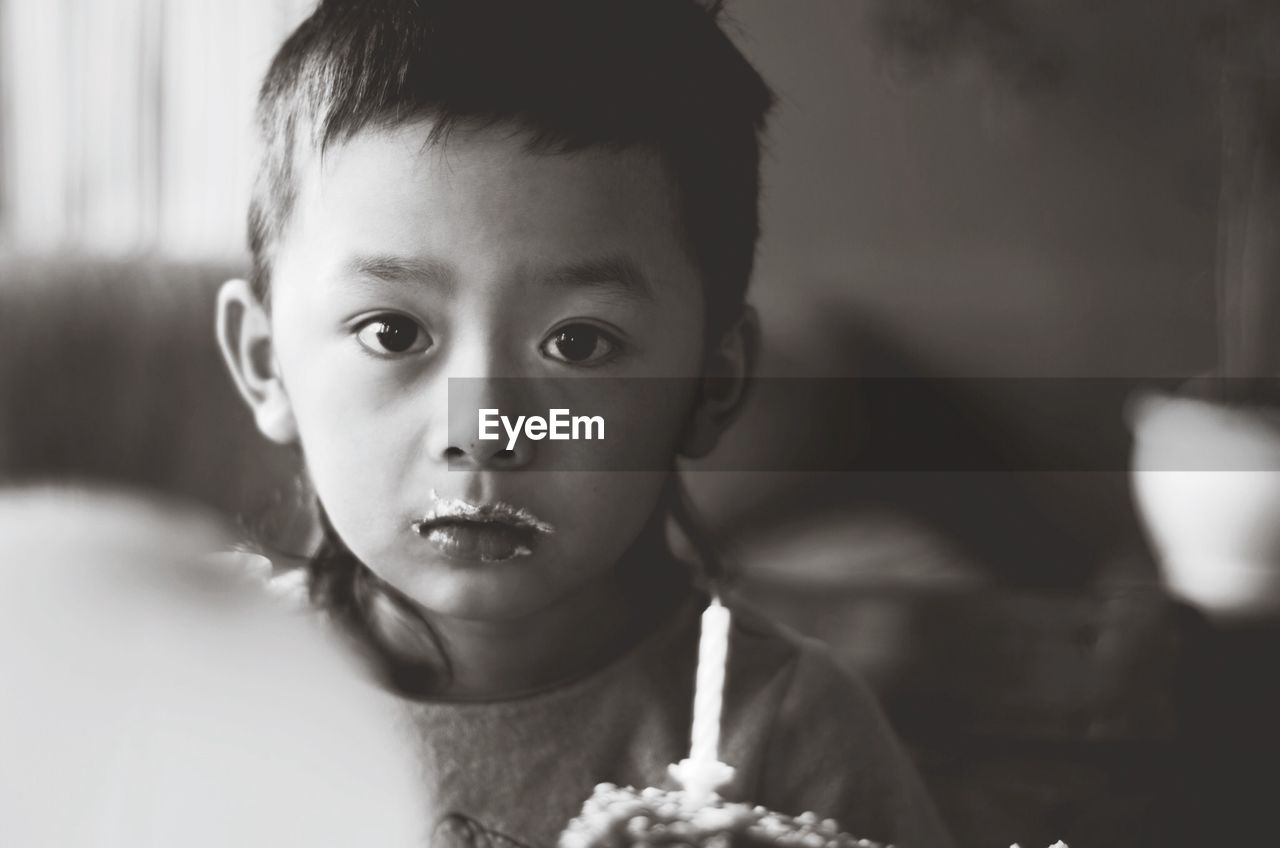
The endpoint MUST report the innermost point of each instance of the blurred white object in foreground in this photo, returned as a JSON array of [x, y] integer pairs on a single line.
[[1206, 477], [149, 702]]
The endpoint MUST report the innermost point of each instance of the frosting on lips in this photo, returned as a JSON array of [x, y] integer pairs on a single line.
[[488, 532], [482, 541]]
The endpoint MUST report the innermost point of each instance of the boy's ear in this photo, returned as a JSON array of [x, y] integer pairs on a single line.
[[244, 335], [730, 367]]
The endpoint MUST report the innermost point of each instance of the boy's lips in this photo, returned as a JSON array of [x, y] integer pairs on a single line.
[[490, 532]]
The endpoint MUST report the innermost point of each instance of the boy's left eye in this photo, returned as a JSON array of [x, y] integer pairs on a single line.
[[579, 344]]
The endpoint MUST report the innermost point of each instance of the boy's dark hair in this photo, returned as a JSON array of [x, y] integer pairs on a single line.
[[572, 74]]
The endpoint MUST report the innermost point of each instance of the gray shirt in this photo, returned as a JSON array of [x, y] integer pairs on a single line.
[[802, 733]]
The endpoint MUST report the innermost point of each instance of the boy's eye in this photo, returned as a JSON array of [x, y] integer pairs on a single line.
[[393, 334], [579, 344]]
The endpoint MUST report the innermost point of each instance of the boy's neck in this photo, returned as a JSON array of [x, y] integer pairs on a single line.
[[579, 634]]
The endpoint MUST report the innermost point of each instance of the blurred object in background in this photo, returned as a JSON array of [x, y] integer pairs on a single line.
[[1207, 480], [153, 700], [110, 373], [1008, 36], [125, 126]]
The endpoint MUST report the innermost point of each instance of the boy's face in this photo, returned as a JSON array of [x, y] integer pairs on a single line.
[[404, 265]]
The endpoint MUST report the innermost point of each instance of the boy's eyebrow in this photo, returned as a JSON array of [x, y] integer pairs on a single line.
[[397, 269], [616, 271]]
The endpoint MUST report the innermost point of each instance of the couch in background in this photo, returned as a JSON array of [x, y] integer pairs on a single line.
[[109, 373]]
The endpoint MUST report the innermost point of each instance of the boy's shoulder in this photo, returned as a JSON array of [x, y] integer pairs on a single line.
[[793, 688], [828, 746], [768, 647]]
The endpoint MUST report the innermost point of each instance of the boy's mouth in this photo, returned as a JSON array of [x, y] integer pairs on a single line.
[[493, 532]]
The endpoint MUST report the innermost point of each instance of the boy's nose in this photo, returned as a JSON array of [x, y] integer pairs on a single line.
[[493, 455], [463, 447]]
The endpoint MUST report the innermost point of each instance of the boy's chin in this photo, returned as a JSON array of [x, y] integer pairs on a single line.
[[493, 592]]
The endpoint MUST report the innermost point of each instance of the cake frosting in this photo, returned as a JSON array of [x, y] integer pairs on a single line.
[[623, 817]]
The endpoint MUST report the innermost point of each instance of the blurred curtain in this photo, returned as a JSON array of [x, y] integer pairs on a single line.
[[126, 125]]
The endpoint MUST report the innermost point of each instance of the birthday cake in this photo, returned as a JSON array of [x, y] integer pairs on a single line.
[[622, 817], [695, 815]]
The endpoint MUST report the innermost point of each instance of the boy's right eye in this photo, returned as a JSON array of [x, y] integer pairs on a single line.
[[391, 334]]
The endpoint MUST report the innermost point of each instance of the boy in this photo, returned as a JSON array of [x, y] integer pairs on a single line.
[[544, 191]]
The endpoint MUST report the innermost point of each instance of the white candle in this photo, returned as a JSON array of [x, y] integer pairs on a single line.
[[703, 772], [708, 699]]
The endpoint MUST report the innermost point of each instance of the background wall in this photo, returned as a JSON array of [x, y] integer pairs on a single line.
[[1003, 219]]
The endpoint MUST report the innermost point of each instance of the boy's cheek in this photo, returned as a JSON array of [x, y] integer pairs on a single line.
[[603, 511], [642, 427]]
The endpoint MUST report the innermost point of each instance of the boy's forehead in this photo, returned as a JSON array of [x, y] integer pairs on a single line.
[[494, 173], [480, 217], [482, 202]]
